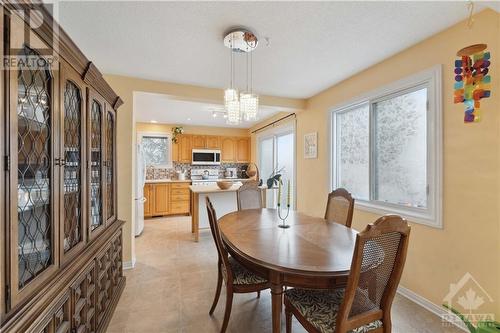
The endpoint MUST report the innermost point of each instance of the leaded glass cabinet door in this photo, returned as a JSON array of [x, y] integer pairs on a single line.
[[32, 173], [110, 165], [73, 234], [95, 137]]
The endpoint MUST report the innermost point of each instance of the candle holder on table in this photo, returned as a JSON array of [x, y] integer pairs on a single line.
[[283, 218]]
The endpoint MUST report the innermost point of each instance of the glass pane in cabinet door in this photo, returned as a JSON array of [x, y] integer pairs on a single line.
[[72, 166], [34, 142], [95, 172], [109, 164]]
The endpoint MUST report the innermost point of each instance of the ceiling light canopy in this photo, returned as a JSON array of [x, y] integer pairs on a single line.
[[245, 105]]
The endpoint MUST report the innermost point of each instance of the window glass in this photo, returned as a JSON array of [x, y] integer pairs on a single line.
[[353, 151], [400, 149], [155, 150]]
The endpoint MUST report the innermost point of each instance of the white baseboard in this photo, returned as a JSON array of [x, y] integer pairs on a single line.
[[428, 305], [129, 264]]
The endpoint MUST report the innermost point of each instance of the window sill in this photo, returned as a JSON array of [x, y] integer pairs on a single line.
[[409, 214]]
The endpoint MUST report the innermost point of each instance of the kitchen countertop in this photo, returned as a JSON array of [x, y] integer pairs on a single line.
[[152, 181], [212, 188]]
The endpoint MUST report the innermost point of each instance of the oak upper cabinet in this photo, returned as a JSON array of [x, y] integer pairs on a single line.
[[33, 172], [161, 193], [95, 130], [228, 149], [198, 141], [181, 151], [212, 142], [243, 150], [148, 204], [73, 98]]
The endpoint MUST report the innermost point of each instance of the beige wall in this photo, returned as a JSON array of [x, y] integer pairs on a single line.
[[125, 88], [202, 130], [470, 239]]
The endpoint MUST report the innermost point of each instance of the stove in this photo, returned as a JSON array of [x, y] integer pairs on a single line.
[[211, 176]]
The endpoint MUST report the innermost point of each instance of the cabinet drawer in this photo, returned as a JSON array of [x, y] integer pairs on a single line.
[[179, 191], [179, 197], [180, 185], [179, 207]]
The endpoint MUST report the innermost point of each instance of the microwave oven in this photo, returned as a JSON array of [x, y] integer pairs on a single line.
[[205, 157]]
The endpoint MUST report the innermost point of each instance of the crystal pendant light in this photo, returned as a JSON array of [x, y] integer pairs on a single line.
[[245, 105], [249, 102], [249, 106], [231, 97]]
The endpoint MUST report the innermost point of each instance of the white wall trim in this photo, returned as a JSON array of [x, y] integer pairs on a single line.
[[129, 264], [439, 311]]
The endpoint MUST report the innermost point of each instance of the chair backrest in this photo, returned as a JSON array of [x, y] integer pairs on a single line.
[[221, 249], [340, 207], [249, 196], [376, 268]]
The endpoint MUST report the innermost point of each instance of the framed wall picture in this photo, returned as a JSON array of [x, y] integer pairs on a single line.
[[311, 145]]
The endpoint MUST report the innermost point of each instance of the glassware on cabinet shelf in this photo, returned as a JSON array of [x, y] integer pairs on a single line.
[[96, 218], [72, 166], [34, 141]]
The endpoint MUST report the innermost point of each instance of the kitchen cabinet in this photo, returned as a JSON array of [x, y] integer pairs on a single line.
[[160, 199], [228, 149], [166, 199], [212, 142], [182, 150], [60, 167], [198, 142], [148, 204], [205, 142], [243, 150]]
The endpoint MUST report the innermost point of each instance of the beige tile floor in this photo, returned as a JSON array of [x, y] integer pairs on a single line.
[[173, 284]]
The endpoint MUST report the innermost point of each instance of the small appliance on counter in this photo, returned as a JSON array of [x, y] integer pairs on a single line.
[[231, 173]]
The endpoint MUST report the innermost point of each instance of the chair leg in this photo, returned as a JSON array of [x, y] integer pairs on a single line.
[[217, 293], [258, 294], [288, 315], [229, 305]]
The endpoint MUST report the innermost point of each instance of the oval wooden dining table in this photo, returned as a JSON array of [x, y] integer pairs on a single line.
[[311, 253]]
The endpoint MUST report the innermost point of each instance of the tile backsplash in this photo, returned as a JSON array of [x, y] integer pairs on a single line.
[[167, 173]]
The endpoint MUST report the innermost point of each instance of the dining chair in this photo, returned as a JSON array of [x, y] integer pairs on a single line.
[[249, 196], [340, 207], [237, 278], [364, 305]]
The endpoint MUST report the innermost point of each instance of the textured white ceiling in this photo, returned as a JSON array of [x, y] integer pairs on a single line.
[[169, 110], [313, 45]]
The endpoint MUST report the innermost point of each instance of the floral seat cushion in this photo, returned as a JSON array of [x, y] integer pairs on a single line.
[[241, 275], [320, 308]]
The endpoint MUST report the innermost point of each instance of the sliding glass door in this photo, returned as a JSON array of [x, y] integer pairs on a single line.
[[277, 155]]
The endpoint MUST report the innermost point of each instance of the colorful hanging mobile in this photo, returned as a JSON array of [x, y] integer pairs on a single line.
[[472, 79]]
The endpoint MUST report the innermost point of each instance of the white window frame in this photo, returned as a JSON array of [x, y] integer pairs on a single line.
[[431, 79], [169, 164]]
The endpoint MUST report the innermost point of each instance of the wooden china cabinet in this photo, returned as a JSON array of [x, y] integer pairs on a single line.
[[61, 253]]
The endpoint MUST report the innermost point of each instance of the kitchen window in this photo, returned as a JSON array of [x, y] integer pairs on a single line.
[[386, 149], [156, 149]]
